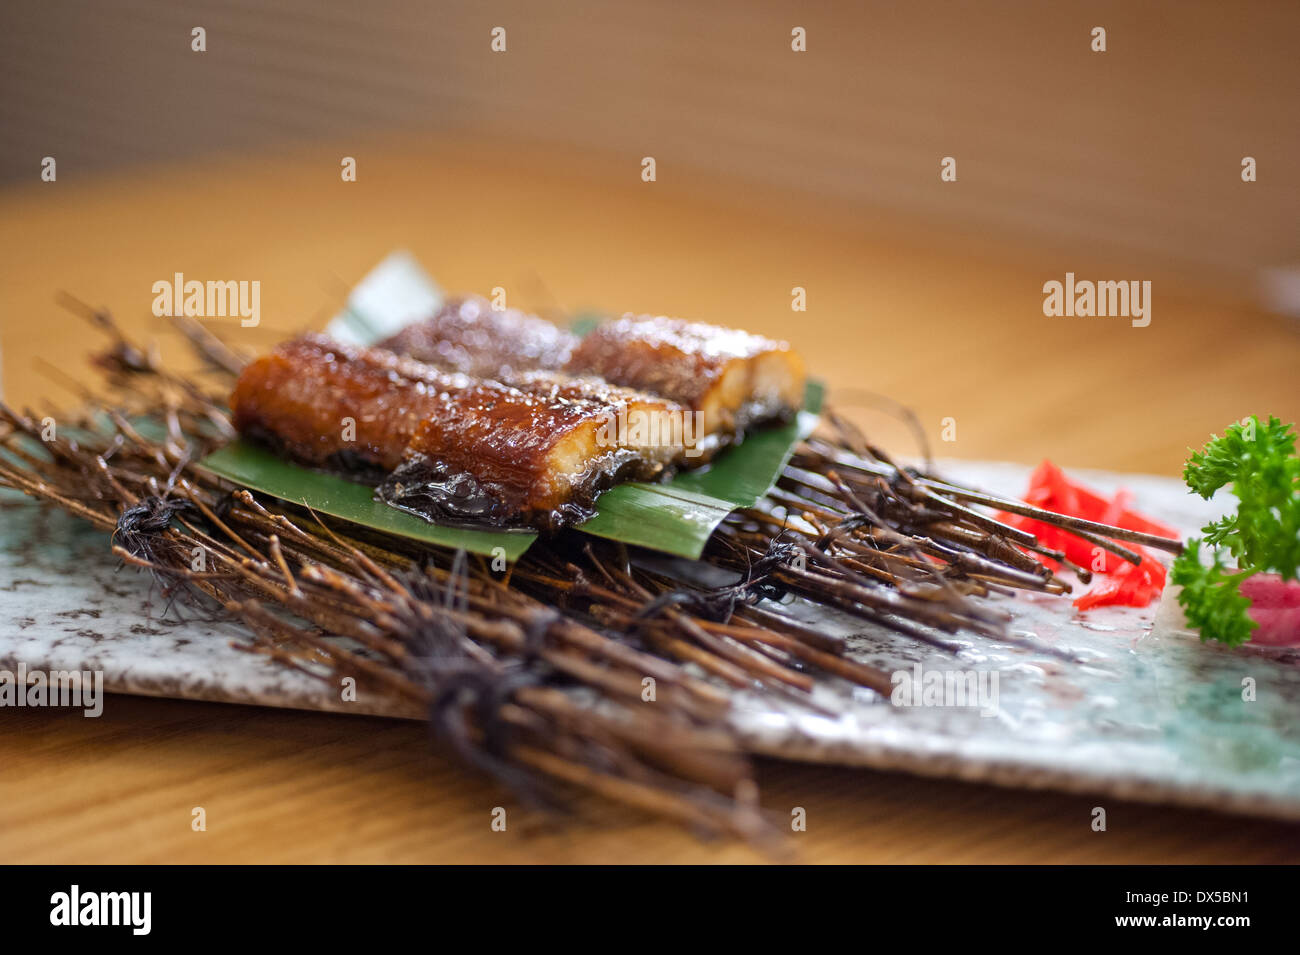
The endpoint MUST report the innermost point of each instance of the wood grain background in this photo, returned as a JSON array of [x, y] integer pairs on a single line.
[[1131, 152]]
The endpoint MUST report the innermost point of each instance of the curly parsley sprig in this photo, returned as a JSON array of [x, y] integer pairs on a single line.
[[1259, 461]]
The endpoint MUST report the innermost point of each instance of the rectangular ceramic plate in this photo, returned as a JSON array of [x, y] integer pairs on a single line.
[[1119, 701]]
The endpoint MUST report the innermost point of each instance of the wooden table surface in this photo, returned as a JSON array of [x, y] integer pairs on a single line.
[[950, 325]]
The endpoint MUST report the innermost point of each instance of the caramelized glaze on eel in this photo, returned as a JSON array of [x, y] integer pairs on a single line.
[[734, 379], [458, 449]]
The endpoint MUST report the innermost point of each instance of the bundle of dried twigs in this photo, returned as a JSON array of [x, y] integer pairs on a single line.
[[543, 675]]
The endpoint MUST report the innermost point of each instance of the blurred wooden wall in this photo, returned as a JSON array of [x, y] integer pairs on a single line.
[[1133, 153]]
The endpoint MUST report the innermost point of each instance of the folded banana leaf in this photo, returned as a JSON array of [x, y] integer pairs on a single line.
[[254, 467]]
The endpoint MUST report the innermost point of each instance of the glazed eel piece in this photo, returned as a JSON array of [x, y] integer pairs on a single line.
[[451, 448], [735, 380], [732, 379], [468, 336]]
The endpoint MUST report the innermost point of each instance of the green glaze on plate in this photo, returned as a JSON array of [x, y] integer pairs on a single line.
[[1114, 702]]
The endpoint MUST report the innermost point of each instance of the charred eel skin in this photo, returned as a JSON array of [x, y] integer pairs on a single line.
[[457, 449], [735, 380], [468, 336]]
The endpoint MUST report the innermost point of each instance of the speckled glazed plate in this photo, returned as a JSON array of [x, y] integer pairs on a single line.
[[1119, 701]]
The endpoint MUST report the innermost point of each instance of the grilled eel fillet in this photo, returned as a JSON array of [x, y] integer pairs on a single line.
[[468, 336], [735, 380], [454, 448]]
